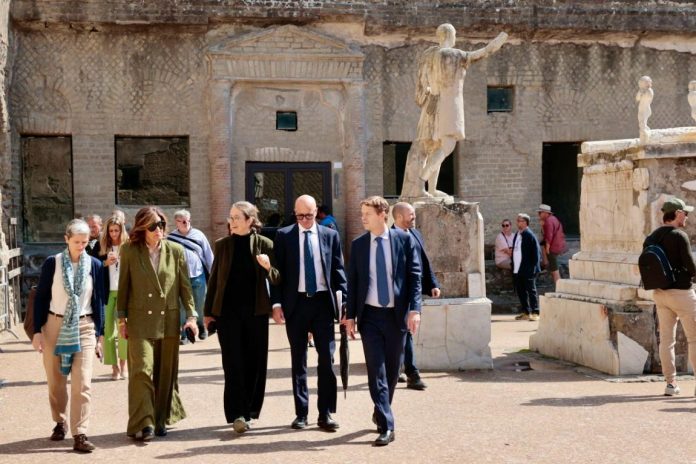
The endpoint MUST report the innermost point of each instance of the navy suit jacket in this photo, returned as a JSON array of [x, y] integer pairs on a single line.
[[406, 272], [428, 279], [287, 255], [531, 254]]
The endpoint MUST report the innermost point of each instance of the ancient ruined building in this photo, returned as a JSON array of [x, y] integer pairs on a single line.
[[198, 103]]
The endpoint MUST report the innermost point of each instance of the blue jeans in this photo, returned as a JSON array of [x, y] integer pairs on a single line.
[[199, 287]]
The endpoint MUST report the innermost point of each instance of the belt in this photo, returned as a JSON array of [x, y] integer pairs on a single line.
[[60, 315], [307, 295], [378, 307]]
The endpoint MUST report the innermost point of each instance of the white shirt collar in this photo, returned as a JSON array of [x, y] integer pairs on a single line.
[[313, 228], [385, 235]]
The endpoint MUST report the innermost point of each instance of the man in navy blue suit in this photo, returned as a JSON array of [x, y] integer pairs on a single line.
[[405, 219], [526, 259], [384, 297], [310, 261]]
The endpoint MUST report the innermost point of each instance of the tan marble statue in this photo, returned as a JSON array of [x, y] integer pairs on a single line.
[[692, 99], [644, 97], [439, 93]]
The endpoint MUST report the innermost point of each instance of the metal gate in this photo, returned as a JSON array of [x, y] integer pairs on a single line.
[[10, 274]]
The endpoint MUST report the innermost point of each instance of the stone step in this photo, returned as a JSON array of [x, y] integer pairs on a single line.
[[595, 289]]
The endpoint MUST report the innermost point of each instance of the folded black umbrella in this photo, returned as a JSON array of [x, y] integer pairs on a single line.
[[343, 350]]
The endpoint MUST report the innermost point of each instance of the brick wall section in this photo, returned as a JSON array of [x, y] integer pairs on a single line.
[[379, 15]]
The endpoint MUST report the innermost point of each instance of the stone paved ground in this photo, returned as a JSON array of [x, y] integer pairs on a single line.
[[554, 413]]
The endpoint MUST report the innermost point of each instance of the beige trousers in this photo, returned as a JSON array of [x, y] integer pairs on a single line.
[[80, 374], [674, 305]]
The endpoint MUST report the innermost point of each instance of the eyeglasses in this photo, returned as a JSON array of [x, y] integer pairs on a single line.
[[236, 218], [161, 224], [301, 217], [505, 225], [182, 221]]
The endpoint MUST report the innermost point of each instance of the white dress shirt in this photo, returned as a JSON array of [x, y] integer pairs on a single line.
[[316, 254], [113, 271], [517, 252], [372, 295]]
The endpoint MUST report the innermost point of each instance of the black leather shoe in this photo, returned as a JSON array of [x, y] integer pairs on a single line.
[[161, 431], [414, 382], [82, 444], [300, 422], [59, 432], [385, 438], [327, 423], [374, 421], [146, 434]]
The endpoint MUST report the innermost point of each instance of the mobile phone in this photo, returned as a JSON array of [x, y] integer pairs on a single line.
[[189, 334]]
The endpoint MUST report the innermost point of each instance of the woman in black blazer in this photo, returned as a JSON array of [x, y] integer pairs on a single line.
[[238, 300]]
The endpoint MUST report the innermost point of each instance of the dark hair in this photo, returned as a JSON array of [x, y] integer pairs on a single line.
[[505, 220], [324, 209], [669, 217], [144, 218]]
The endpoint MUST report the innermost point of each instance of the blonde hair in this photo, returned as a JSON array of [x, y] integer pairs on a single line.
[[378, 203], [105, 240]]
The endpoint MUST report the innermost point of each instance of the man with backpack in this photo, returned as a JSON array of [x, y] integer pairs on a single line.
[[675, 301]]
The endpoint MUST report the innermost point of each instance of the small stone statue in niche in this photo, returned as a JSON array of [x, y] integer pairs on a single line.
[[692, 98], [644, 97]]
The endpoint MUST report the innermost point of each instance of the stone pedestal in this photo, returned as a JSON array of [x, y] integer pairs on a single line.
[[600, 317], [455, 334], [455, 330]]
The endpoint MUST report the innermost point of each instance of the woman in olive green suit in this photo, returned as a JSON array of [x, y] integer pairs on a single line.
[[153, 279], [238, 300]]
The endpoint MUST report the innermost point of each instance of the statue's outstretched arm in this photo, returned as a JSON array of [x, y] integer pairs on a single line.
[[492, 47]]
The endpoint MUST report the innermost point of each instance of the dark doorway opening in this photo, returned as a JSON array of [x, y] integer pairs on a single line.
[[394, 155], [273, 188], [560, 183]]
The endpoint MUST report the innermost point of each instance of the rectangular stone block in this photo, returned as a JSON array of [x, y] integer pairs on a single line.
[[455, 334], [595, 289]]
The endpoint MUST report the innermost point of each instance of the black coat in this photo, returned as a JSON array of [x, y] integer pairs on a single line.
[[531, 253]]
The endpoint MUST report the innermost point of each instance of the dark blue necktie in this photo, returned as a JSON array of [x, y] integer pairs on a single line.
[[310, 276], [381, 269]]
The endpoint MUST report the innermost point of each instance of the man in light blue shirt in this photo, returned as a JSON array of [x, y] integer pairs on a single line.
[[199, 258]]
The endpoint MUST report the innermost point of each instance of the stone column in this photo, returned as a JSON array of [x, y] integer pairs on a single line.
[[354, 156], [219, 152]]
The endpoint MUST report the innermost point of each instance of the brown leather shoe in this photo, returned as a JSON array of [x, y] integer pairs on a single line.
[[59, 431], [82, 444]]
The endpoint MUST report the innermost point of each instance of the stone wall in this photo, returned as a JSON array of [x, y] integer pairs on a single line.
[[144, 70], [547, 17]]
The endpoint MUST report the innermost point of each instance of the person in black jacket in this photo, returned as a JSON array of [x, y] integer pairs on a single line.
[[526, 259], [68, 330], [678, 302], [405, 219]]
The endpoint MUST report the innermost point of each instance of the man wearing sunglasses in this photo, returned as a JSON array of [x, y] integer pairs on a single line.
[[310, 261], [678, 302]]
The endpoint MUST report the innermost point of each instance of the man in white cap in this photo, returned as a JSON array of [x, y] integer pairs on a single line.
[[678, 302], [554, 242]]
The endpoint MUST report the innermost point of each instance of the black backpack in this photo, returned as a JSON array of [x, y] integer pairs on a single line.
[[655, 269]]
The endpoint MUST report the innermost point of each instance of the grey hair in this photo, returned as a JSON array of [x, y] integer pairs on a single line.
[[182, 213], [525, 217], [95, 217], [76, 227]]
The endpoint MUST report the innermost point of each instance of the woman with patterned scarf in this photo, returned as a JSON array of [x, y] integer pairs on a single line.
[[69, 327]]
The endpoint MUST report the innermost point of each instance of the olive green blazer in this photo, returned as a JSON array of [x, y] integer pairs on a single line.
[[148, 299], [224, 253]]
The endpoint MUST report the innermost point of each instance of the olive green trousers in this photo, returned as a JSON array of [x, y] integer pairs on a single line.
[[153, 389]]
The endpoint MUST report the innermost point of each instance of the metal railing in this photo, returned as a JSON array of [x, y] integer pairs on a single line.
[[10, 275]]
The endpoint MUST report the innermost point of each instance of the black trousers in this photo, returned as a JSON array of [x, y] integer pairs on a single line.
[[314, 315], [244, 346], [527, 293]]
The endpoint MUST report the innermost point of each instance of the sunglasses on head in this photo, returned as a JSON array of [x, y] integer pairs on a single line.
[[161, 224]]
